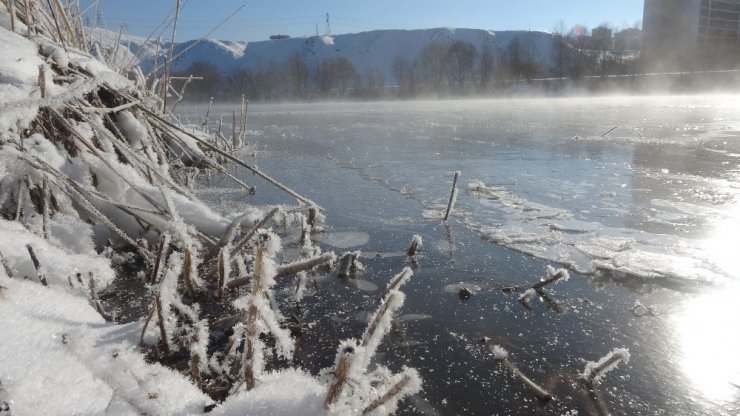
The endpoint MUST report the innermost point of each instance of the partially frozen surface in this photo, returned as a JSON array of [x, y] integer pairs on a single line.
[[345, 239]]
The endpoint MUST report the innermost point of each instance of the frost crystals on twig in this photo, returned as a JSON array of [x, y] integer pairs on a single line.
[[501, 355], [595, 371], [553, 276], [351, 385]]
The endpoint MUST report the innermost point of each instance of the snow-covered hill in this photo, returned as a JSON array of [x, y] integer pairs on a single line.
[[368, 51]]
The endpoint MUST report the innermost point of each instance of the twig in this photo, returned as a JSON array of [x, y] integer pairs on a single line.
[[397, 281], [341, 371], [415, 244], [291, 268], [261, 223], [168, 62], [394, 391], [6, 266], [36, 265], [538, 391], [11, 9], [160, 322], [94, 298], [611, 130], [146, 324], [453, 196]]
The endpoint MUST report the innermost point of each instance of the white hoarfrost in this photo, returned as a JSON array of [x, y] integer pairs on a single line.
[[595, 371]]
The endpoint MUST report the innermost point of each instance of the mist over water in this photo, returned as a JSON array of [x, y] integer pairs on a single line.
[[638, 195]]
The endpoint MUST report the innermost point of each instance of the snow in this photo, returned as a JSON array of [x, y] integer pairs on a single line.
[[288, 393], [373, 50], [499, 353], [59, 357]]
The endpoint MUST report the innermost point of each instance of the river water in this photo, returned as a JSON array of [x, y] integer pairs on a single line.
[[638, 197]]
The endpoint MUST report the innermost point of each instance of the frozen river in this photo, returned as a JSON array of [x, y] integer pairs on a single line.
[[638, 197]]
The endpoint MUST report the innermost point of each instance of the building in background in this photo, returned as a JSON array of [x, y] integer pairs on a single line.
[[719, 21], [689, 34]]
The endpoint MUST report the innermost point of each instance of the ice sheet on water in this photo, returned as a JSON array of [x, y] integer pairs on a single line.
[[557, 235], [343, 240]]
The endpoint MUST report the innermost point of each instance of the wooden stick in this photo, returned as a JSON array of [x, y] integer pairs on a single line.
[[555, 277], [607, 133], [42, 80], [538, 391], [392, 392], [373, 326], [19, 207], [160, 322], [188, 273], [233, 130], [341, 373], [415, 243], [307, 264], [453, 196], [45, 226], [397, 281], [290, 269], [261, 223], [94, 298], [67, 24], [347, 266], [160, 256], [36, 265], [146, 324], [11, 9], [6, 266]]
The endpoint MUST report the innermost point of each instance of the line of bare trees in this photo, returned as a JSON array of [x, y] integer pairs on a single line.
[[441, 68], [297, 78]]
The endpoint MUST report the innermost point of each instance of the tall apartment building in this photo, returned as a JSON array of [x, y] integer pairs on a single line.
[[719, 21], [675, 32]]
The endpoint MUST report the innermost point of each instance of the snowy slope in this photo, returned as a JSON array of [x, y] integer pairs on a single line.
[[374, 50], [378, 49]]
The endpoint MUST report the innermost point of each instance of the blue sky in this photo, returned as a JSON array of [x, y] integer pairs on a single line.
[[261, 18]]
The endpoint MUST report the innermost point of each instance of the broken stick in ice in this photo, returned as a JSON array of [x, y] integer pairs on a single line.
[[415, 244], [595, 371], [501, 355], [553, 276], [453, 196]]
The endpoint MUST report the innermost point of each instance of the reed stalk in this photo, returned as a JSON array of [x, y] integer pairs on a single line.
[[390, 394], [36, 265], [6, 266], [160, 323], [453, 196]]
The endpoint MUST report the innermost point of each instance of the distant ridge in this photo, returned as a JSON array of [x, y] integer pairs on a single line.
[[367, 51]]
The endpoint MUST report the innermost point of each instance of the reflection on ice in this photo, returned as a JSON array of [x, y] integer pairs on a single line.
[[344, 239], [721, 244], [710, 341]]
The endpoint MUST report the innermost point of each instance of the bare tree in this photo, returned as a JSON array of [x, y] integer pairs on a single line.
[[460, 62], [299, 73], [432, 61], [405, 74], [486, 66]]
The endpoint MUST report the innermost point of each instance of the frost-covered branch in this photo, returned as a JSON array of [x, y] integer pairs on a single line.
[[595, 371]]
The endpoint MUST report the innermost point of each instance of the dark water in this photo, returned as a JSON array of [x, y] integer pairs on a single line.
[[647, 213]]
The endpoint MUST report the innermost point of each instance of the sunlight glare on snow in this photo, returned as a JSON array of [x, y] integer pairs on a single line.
[[721, 244], [709, 342]]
